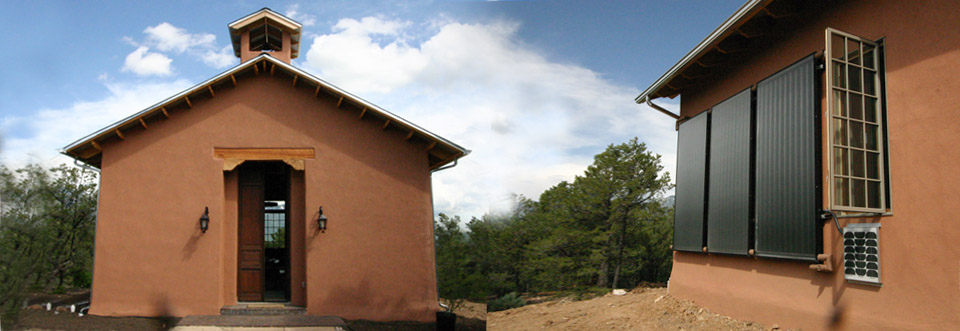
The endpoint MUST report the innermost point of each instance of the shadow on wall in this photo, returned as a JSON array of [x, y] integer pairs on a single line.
[[190, 246], [162, 310], [362, 295]]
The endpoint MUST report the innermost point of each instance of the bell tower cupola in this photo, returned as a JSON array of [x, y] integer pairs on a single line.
[[265, 31]]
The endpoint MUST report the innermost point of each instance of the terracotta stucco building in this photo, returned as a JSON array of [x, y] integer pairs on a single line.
[[793, 113], [263, 152]]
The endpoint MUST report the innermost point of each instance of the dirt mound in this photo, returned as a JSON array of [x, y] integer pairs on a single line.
[[643, 308]]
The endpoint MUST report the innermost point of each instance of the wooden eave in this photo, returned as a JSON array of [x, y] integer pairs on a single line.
[[755, 27], [440, 151]]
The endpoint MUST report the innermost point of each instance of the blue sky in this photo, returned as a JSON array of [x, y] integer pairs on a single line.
[[534, 88]]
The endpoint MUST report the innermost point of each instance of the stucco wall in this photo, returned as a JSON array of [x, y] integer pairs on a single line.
[[920, 258], [375, 261]]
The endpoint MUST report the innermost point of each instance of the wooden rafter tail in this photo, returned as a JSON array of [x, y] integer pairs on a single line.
[[295, 80], [385, 124], [96, 145], [317, 92], [234, 80], [273, 67], [339, 102], [143, 123], [432, 145], [210, 88], [256, 68], [409, 135], [363, 112], [163, 110], [189, 104], [120, 134]]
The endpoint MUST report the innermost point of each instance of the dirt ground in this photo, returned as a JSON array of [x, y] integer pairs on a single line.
[[41, 319], [639, 309], [470, 317]]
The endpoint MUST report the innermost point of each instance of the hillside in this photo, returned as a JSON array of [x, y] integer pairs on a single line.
[[640, 309]]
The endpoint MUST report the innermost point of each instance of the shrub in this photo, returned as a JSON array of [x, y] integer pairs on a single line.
[[508, 301]]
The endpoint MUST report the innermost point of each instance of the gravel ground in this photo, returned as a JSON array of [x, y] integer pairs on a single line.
[[639, 309]]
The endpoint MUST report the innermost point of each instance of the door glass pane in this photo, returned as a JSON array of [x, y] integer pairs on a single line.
[[841, 191], [839, 103], [839, 75], [856, 134], [836, 45], [840, 132], [853, 51], [840, 160], [853, 77], [873, 194], [859, 196], [870, 134], [873, 165], [868, 55], [856, 163], [869, 82], [856, 106], [870, 109]]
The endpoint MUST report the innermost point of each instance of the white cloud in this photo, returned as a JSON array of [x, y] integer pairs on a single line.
[[293, 12], [169, 39], [48, 130], [166, 37], [222, 59], [531, 122], [351, 57], [145, 63]]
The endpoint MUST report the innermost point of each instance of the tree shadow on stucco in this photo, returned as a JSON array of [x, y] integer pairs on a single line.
[[163, 312]]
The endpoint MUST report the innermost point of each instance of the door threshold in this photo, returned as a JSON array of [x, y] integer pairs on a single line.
[[261, 308]]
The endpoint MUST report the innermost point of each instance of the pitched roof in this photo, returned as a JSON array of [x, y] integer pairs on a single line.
[[87, 149], [753, 27]]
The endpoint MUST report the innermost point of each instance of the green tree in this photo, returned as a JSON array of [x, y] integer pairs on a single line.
[[621, 182], [46, 230], [457, 279]]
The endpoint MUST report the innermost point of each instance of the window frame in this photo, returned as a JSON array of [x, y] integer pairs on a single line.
[[880, 109]]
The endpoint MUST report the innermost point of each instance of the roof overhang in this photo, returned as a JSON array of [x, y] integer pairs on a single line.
[[88, 149], [280, 21], [754, 26]]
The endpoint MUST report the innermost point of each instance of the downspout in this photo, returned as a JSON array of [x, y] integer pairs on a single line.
[[93, 257], [436, 273], [650, 103]]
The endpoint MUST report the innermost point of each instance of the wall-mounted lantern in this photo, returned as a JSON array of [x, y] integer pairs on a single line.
[[205, 220], [322, 221]]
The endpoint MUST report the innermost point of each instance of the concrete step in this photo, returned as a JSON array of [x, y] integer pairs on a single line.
[[260, 322], [262, 309]]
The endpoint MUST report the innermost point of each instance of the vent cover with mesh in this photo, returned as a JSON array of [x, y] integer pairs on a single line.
[[861, 252]]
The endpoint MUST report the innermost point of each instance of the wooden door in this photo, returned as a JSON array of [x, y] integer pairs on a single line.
[[250, 259]]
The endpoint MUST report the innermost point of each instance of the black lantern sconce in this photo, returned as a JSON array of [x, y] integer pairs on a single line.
[[321, 220], [205, 220]]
